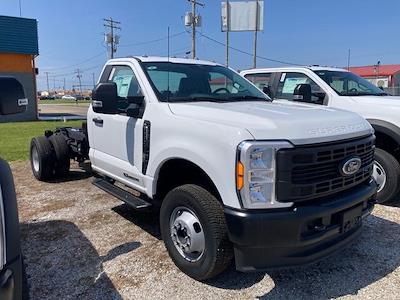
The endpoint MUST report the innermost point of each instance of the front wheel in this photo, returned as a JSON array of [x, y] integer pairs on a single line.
[[387, 175], [194, 231]]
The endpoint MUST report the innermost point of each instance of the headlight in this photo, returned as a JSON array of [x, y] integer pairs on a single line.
[[256, 172]]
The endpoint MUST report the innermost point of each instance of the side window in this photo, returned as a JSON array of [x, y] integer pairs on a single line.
[[260, 80], [127, 84], [289, 81]]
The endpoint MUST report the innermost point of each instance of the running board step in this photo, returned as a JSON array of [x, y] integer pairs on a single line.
[[121, 194]]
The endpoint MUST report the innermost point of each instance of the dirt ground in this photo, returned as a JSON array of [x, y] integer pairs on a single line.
[[81, 243]]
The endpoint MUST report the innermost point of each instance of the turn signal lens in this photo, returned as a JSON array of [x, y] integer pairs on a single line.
[[239, 175]]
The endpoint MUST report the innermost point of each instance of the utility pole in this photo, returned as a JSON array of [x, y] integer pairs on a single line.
[[20, 9], [227, 32], [112, 38], [64, 85], [255, 37], [348, 60], [79, 76], [47, 80], [194, 23], [94, 82]]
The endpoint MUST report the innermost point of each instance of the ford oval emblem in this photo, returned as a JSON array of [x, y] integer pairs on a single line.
[[350, 166]]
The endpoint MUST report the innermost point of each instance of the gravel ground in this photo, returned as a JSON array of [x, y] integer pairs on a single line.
[[80, 243]]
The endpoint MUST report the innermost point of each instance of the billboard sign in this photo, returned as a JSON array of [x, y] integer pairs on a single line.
[[242, 16]]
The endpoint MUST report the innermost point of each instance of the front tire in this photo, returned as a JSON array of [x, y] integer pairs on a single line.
[[387, 175], [194, 231], [42, 158]]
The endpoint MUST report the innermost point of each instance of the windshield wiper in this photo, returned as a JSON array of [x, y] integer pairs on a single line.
[[248, 97], [200, 99]]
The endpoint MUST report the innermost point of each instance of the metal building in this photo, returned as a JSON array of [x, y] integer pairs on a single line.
[[18, 50], [385, 76]]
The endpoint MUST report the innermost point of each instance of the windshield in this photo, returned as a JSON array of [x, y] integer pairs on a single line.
[[176, 82], [349, 84]]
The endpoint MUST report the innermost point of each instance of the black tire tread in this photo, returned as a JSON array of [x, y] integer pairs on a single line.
[[392, 173], [62, 163], [216, 219], [46, 157]]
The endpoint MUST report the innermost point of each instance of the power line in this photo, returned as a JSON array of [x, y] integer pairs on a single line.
[[247, 53], [153, 41], [77, 64], [112, 38]]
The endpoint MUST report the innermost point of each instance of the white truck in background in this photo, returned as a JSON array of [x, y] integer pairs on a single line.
[[339, 88], [232, 174]]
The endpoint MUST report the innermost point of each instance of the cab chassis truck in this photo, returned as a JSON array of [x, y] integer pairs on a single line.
[[232, 175]]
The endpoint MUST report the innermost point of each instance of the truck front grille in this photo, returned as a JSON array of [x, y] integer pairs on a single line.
[[309, 172]]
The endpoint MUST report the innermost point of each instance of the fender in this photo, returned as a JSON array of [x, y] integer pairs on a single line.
[[188, 156], [387, 128]]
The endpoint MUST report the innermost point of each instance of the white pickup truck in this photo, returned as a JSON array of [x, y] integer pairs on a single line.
[[232, 174], [339, 88]]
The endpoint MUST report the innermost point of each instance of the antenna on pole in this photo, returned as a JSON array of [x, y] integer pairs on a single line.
[[193, 20], [111, 37]]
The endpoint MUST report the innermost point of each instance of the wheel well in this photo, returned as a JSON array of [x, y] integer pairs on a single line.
[[176, 172], [387, 143]]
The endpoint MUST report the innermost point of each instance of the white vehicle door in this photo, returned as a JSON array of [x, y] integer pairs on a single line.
[[113, 136]]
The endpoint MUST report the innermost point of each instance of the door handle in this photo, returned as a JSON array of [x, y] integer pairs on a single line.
[[98, 121]]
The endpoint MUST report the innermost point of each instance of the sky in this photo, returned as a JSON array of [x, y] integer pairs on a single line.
[[71, 33]]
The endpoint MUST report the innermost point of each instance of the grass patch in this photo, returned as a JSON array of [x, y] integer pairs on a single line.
[[15, 138], [69, 102]]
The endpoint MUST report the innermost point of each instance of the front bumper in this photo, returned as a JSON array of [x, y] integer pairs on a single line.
[[11, 280], [305, 233]]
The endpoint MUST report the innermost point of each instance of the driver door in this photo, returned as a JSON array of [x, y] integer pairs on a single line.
[[114, 136]]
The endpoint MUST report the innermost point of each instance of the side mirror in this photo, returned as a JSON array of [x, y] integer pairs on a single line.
[[267, 91], [12, 96], [134, 108], [302, 93], [105, 98]]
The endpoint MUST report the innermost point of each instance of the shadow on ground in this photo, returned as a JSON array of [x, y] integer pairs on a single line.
[[368, 259], [148, 221], [364, 262], [62, 263]]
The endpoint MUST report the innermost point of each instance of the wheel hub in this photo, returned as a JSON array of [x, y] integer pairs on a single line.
[[379, 175], [35, 159], [187, 234]]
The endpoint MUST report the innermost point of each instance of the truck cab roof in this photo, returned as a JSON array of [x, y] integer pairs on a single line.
[[176, 60], [292, 68]]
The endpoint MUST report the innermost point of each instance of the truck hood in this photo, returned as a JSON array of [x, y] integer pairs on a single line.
[[386, 101], [300, 124]]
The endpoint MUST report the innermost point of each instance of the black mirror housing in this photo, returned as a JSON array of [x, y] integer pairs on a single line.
[[267, 91], [302, 93], [12, 96], [105, 98]]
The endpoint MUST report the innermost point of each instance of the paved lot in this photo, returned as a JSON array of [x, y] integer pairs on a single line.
[[63, 109], [80, 243]]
